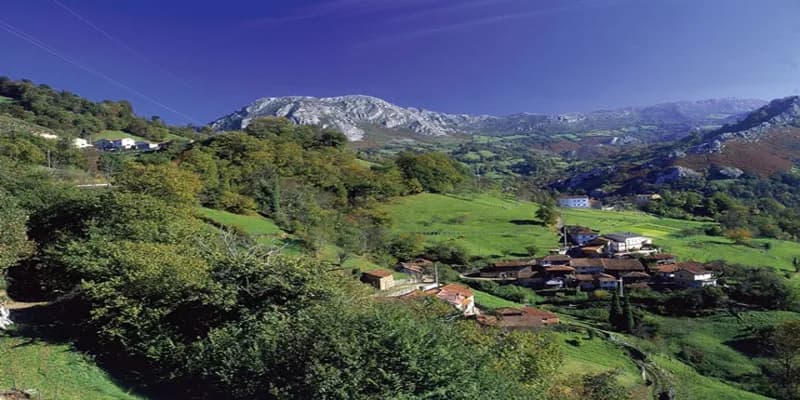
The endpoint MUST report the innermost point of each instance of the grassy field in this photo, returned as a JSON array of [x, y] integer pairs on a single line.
[[254, 225], [689, 385], [489, 301], [4, 99], [54, 372], [113, 135], [490, 226]]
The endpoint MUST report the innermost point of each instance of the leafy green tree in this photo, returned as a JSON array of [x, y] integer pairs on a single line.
[[13, 240], [166, 182], [547, 214], [435, 172], [785, 344]]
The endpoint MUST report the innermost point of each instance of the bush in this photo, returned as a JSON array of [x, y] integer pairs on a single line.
[[449, 253], [237, 203]]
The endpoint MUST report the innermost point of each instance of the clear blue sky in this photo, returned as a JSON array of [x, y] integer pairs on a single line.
[[181, 59]]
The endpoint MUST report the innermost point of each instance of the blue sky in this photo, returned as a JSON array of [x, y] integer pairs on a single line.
[[194, 60]]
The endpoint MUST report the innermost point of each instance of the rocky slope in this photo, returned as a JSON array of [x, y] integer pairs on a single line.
[[358, 116]]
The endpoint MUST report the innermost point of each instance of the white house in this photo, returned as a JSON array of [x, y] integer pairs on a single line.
[[117, 144], [81, 143], [692, 274], [627, 241], [147, 146], [574, 202], [580, 235]]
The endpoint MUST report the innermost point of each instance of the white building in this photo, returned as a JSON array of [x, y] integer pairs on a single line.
[[581, 235], [117, 144], [147, 146], [81, 143], [574, 202], [691, 274], [627, 241]]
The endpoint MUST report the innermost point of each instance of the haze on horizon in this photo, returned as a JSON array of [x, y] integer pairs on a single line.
[[196, 61]]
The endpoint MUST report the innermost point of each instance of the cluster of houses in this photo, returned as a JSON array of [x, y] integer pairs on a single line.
[[125, 144], [597, 261], [582, 201], [459, 296]]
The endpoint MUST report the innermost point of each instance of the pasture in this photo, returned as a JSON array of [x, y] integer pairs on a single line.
[[493, 227]]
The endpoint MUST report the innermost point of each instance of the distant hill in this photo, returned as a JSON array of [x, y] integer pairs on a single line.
[[362, 116]]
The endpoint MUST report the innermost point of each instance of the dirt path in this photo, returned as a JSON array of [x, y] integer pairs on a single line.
[[17, 305]]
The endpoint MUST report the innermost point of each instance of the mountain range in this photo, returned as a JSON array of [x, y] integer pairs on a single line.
[[361, 117]]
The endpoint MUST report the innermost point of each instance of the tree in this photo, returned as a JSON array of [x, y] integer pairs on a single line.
[[435, 172], [547, 214], [785, 343], [628, 320], [739, 235], [603, 386], [165, 181], [13, 239], [615, 311], [796, 264]]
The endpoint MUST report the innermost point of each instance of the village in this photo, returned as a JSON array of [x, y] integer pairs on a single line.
[[585, 261]]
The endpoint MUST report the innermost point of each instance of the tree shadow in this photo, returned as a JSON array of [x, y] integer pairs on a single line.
[[525, 222]]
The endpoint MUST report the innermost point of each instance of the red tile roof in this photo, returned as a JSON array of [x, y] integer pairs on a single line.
[[378, 273], [693, 267], [666, 268], [559, 268], [453, 289]]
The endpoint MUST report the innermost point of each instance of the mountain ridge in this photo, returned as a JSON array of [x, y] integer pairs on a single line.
[[354, 114]]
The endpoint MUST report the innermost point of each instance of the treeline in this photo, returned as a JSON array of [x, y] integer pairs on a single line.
[[310, 184], [756, 206], [74, 116]]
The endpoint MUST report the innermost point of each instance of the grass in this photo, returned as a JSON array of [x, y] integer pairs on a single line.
[[489, 301], [254, 225], [54, 372], [113, 135], [4, 99], [493, 227], [690, 385]]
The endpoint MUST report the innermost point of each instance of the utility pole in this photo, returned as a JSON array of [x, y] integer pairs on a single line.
[[621, 289], [436, 273]]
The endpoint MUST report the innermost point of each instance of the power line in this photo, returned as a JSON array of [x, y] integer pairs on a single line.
[[120, 42], [43, 46]]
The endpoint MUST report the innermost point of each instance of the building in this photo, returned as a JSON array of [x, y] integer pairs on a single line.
[[660, 259], [621, 266], [589, 266], [554, 259], [580, 235], [635, 278], [418, 269], [460, 296], [693, 274], [380, 279], [520, 318], [81, 143], [595, 281], [147, 146], [645, 199], [623, 242], [116, 144], [574, 202], [664, 272], [514, 269]]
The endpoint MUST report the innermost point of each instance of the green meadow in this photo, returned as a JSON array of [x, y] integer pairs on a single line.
[[4, 99], [54, 372], [114, 135], [494, 227]]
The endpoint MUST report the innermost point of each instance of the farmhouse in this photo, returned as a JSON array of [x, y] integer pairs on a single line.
[[117, 144], [554, 259], [620, 266], [513, 269], [660, 259], [417, 269], [627, 241], [595, 281], [580, 235], [461, 297], [664, 272], [693, 274], [147, 146], [587, 265], [81, 143], [380, 279], [574, 202]]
